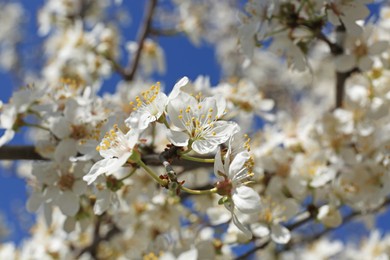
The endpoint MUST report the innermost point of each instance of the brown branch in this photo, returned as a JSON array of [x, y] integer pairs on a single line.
[[97, 238], [341, 77], [164, 32], [253, 250], [8, 152], [143, 33], [19, 153], [335, 49]]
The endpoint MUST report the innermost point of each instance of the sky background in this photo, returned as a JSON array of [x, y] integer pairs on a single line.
[[182, 59]]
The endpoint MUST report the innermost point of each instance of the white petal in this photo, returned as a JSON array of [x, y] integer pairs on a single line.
[[69, 224], [68, 203], [280, 234], [65, 149], [48, 213], [191, 254], [378, 47], [329, 216], [176, 89], [180, 103], [218, 165], [208, 104], [266, 104], [178, 138], [260, 230], [365, 63], [221, 105], [60, 127], [132, 138], [237, 164], [7, 136], [218, 215], [291, 208], [246, 200], [324, 176], [34, 201], [247, 234], [72, 111], [96, 170], [79, 187], [345, 62], [102, 202], [204, 146]]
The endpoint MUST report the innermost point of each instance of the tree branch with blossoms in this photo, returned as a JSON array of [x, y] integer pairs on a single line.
[[198, 168]]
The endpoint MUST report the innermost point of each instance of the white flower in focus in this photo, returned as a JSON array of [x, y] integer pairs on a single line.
[[197, 122], [232, 175], [148, 109], [116, 148]]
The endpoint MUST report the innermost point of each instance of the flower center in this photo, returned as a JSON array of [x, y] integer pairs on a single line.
[[111, 140], [146, 98], [66, 181], [197, 124]]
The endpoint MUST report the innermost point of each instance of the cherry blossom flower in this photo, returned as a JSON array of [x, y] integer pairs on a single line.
[[360, 50], [232, 175], [12, 113], [148, 108], [116, 148], [348, 13], [197, 122]]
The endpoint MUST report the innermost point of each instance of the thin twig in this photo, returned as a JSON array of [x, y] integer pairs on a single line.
[[164, 32], [97, 239], [253, 250], [341, 77], [143, 33]]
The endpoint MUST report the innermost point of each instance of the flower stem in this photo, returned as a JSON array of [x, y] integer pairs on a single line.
[[195, 159], [166, 122], [152, 174], [198, 192], [129, 175]]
